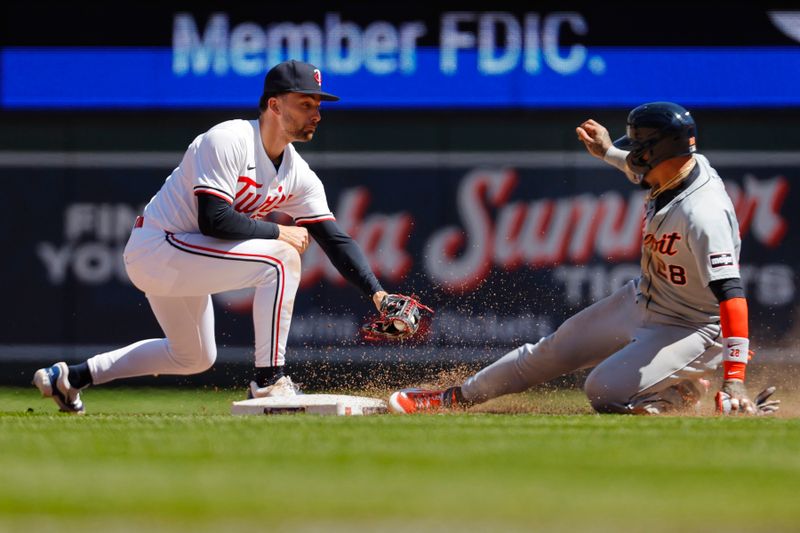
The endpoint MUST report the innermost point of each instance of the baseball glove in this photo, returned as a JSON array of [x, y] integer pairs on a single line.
[[399, 319]]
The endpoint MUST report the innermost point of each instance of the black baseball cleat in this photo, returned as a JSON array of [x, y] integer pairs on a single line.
[[53, 382]]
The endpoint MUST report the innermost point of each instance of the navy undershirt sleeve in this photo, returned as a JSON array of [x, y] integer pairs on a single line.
[[727, 289], [345, 254], [217, 218]]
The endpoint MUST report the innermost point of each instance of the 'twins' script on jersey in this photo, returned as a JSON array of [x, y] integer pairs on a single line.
[[248, 196]]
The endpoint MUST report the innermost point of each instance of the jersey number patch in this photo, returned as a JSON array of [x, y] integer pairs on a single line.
[[675, 274]]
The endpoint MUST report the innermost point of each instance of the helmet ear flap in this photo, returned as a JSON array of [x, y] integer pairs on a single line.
[[659, 131], [641, 156]]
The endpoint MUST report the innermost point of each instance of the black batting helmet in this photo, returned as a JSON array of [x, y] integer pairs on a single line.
[[656, 132]]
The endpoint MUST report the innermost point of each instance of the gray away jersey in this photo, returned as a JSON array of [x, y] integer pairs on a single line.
[[691, 241]]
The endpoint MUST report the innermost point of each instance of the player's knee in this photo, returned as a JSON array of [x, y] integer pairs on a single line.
[[207, 358], [290, 257], [604, 397], [293, 260], [594, 389], [192, 358]]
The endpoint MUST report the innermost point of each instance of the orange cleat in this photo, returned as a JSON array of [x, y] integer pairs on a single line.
[[409, 401]]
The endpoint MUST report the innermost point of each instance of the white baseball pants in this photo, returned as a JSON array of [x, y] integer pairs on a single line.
[[178, 273], [640, 357]]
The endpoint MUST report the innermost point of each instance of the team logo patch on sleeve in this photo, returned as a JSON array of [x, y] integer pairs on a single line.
[[721, 259]]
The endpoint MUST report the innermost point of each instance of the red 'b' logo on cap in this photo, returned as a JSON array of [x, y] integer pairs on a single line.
[[318, 76]]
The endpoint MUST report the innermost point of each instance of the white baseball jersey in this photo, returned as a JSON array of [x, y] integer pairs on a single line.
[[178, 267], [690, 242], [229, 161]]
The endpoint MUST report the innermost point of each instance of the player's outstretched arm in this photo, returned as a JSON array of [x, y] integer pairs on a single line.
[[399, 314], [594, 137], [346, 255]]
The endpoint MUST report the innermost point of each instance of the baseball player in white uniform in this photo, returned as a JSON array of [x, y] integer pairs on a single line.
[[654, 341], [204, 232]]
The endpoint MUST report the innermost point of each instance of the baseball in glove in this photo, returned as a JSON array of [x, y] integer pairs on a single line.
[[399, 319]]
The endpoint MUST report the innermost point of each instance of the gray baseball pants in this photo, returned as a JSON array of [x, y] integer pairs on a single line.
[[644, 361]]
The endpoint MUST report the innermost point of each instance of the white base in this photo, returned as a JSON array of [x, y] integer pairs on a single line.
[[314, 404]]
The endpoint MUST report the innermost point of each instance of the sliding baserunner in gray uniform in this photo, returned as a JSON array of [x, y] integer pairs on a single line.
[[653, 342]]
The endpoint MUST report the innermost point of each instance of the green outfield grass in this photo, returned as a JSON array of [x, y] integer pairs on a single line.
[[153, 459]]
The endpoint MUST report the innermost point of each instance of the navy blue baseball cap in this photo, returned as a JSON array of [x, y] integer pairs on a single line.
[[295, 77]]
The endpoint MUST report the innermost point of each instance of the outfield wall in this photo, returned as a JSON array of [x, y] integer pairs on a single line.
[[451, 157], [504, 246]]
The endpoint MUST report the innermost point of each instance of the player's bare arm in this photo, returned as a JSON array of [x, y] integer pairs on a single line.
[[597, 140], [377, 299], [595, 137], [295, 236]]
